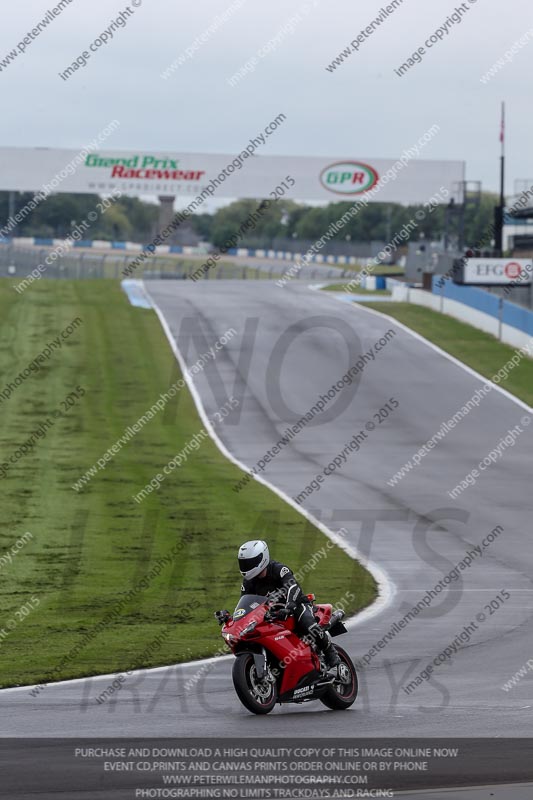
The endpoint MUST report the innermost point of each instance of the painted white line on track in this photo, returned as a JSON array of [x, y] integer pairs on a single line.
[[112, 675]]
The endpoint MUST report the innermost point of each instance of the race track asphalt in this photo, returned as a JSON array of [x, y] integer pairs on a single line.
[[292, 345]]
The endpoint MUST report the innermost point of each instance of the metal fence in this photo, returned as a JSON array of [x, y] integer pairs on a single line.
[[19, 263]]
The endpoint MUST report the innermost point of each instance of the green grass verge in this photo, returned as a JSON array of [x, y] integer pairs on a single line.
[[473, 347], [341, 287], [383, 269], [89, 549]]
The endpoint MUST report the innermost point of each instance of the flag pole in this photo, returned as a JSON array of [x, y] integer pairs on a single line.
[[502, 170], [500, 210]]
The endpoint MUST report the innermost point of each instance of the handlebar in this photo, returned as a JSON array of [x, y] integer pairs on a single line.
[[272, 613]]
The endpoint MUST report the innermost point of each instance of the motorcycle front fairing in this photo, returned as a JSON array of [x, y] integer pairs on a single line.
[[247, 631]]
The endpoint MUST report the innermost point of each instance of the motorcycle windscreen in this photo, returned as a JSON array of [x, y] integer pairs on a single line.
[[247, 603]]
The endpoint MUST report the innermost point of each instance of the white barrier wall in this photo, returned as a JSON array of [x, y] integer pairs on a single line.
[[460, 311]]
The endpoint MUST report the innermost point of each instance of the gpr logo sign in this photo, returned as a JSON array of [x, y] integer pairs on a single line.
[[348, 177]]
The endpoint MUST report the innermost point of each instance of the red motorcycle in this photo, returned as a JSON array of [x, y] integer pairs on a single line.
[[273, 665]]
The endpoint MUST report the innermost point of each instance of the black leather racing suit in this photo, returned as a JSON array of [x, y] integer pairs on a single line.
[[280, 579]]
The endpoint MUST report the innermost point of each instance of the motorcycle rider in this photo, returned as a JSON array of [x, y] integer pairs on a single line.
[[262, 576]]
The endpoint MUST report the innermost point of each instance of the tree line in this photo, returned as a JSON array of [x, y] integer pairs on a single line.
[[132, 219]]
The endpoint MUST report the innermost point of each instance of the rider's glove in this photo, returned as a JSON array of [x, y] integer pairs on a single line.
[[287, 610], [222, 617], [276, 611]]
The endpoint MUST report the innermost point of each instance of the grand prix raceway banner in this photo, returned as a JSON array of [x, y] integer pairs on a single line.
[[405, 180]]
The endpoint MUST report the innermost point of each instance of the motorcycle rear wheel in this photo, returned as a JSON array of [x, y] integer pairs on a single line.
[[259, 697], [342, 695]]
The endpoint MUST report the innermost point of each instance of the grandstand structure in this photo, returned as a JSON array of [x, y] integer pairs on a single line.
[[518, 230]]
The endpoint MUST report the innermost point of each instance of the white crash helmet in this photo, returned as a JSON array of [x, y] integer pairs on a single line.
[[253, 558]]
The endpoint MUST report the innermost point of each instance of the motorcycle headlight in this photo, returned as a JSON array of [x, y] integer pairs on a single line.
[[230, 638], [249, 628]]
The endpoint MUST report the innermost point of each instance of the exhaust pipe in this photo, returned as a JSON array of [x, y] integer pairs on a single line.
[[337, 616]]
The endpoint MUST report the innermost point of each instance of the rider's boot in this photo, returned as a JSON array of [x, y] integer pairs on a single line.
[[329, 651], [331, 657]]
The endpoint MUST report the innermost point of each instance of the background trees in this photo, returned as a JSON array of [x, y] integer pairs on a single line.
[[132, 219]]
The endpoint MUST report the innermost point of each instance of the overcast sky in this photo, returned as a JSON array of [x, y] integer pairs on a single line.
[[361, 110]]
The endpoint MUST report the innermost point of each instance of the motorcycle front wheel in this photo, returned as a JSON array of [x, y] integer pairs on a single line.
[[257, 696]]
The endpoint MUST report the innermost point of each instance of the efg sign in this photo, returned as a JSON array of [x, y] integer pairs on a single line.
[[495, 271]]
